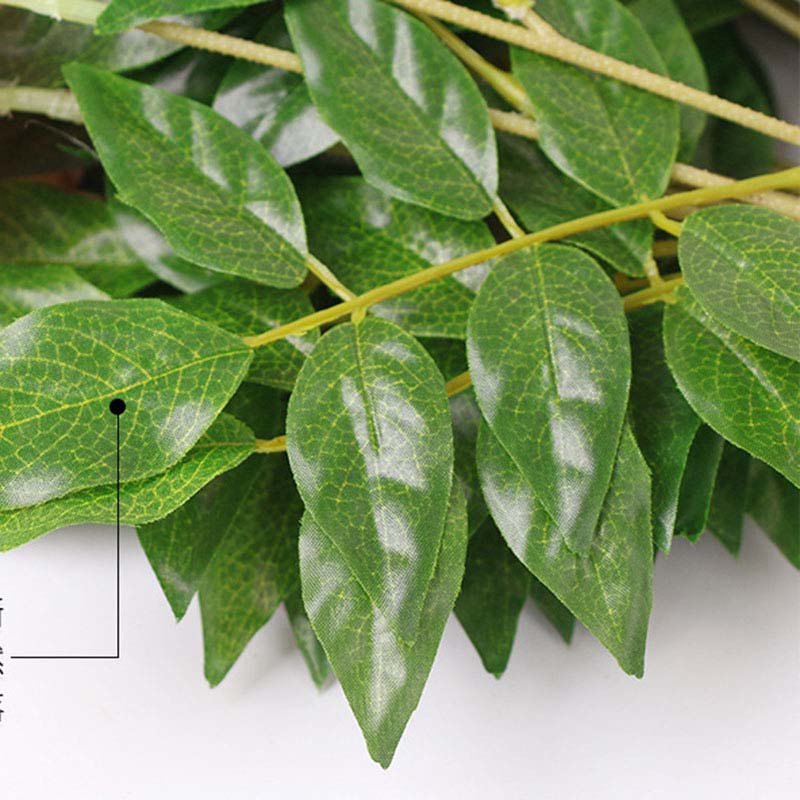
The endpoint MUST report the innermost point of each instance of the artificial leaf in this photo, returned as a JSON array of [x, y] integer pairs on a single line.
[[557, 614], [371, 448], [493, 592], [59, 368], [382, 674], [407, 110], [273, 105], [541, 196], [247, 308], [663, 422], [123, 14], [218, 196], [260, 408], [317, 662], [550, 362], [369, 239], [610, 589], [703, 14], [618, 141], [749, 395], [222, 447], [697, 484], [729, 501], [775, 505], [742, 264]]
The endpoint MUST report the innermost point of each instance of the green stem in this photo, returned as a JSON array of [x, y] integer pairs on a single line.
[[316, 267], [53, 103]]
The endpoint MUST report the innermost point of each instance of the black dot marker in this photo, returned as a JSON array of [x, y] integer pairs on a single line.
[[117, 406]]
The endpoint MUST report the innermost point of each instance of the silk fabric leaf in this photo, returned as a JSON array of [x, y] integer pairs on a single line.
[[610, 589], [743, 267], [371, 448], [369, 239], [729, 501], [550, 362], [222, 447], [618, 141], [217, 196], [697, 485], [310, 648], [493, 592], [273, 105], [59, 368], [120, 15], [541, 196], [556, 613], [749, 395], [381, 674], [775, 505], [407, 110]]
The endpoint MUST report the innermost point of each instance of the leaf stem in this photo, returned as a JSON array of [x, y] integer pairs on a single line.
[[661, 220], [54, 103], [316, 267], [776, 14], [507, 219], [276, 445], [458, 384], [665, 248], [652, 294]]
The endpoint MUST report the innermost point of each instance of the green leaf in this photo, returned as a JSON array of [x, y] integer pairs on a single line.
[[25, 288], [775, 505], [703, 14], [260, 408], [273, 105], [542, 196], [697, 484], [310, 648], [743, 266], [407, 110], [559, 616], [550, 362], [224, 445], [618, 141], [749, 395], [610, 589], [663, 422], [218, 196], [59, 368], [493, 592], [729, 501], [123, 14], [369, 239], [247, 308], [668, 32], [42, 225], [371, 448], [382, 675]]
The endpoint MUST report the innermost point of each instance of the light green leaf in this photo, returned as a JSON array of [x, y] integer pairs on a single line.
[[697, 484], [382, 675], [729, 501], [550, 362], [542, 196], [775, 505], [273, 105], [743, 266], [493, 592], [407, 110], [663, 422], [369, 239], [749, 395], [224, 445], [371, 448], [247, 308], [218, 196], [610, 589], [59, 368], [310, 648], [123, 14], [557, 614], [618, 141]]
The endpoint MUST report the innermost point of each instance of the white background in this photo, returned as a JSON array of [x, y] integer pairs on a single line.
[[716, 716]]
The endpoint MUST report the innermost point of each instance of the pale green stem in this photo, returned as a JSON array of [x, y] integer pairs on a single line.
[[661, 220], [316, 267], [53, 103], [507, 219]]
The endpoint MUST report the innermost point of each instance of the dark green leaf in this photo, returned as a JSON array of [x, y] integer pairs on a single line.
[[59, 368], [775, 505], [618, 141], [369, 239], [407, 110], [382, 675], [218, 196], [371, 448], [559, 616], [729, 501], [743, 266], [550, 361], [610, 589], [260, 408], [317, 662], [493, 591], [697, 484], [123, 14], [749, 395], [703, 14]]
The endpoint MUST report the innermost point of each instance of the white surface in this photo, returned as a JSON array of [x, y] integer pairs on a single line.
[[716, 716]]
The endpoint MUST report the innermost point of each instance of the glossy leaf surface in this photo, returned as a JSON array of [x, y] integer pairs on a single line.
[[743, 266], [218, 196], [61, 366], [371, 448], [550, 362], [313, 654], [697, 485], [407, 110], [123, 14], [618, 141], [775, 505], [557, 614], [729, 501], [749, 395], [382, 675]]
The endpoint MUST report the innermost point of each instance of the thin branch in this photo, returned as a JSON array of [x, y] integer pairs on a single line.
[[777, 14], [54, 103]]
